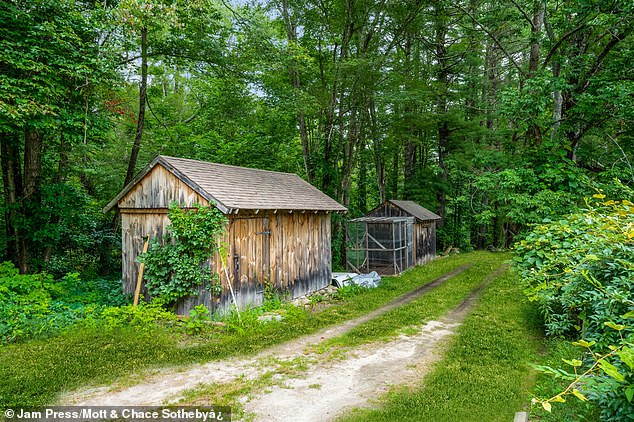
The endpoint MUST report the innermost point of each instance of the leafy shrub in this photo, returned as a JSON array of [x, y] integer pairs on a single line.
[[26, 288], [37, 304], [580, 270], [243, 321], [348, 291], [317, 298], [198, 318], [26, 302]]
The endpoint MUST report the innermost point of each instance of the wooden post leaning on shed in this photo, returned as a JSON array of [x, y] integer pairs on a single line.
[[233, 296], [139, 278], [222, 254]]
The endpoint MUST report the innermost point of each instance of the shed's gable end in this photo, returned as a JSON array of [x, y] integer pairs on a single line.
[[157, 189]]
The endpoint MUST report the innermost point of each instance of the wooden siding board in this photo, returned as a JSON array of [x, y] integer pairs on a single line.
[[135, 229]]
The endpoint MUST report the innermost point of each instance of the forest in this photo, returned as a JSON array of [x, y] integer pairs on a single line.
[[513, 120], [495, 115]]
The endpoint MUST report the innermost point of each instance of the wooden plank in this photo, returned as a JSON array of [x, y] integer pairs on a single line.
[[279, 252], [126, 244], [266, 249], [521, 417], [144, 211], [158, 189], [273, 263], [139, 279]]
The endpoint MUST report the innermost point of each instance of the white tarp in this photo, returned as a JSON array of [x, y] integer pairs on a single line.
[[370, 280]]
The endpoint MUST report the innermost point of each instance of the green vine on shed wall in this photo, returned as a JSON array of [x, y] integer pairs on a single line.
[[176, 267]]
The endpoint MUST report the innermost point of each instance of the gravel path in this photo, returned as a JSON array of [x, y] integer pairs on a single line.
[[324, 388]]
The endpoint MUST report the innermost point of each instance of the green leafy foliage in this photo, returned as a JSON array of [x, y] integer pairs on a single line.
[[39, 305], [143, 317], [177, 267], [198, 317], [579, 270]]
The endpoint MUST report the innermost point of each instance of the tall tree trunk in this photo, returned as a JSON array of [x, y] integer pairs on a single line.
[[409, 152], [12, 188], [30, 192], [557, 103], [536, 28], [491, 85], [379, 163], [379, 157], [393, 194], [291, 36], [534, 131], [136, 146], [32, 163], [59, 179], [442, 77], [362, 204]]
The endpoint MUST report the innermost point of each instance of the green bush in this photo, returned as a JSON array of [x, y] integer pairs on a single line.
[[198, 319], [580, 270], [37, 304], [144, 317]]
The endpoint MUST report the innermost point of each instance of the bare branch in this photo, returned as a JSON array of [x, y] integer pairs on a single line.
[[494, 39], [606, 49], [555, 47], [523, 12]]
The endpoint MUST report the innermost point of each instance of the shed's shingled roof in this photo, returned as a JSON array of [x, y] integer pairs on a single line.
[[412, 208], [234, 188]]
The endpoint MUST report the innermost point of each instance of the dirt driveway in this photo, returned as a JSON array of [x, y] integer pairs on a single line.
[[297, 380]]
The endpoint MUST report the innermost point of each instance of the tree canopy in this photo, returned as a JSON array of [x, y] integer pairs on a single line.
[[495, 115]]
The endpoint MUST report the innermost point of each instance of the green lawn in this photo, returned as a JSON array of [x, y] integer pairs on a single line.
[[35, 372], [484, 375]]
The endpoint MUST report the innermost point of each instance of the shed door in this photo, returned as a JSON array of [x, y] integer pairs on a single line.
[[251, 253]]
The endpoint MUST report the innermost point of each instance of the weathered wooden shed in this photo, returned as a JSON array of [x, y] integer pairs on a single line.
[[278, 232], [394, 236]]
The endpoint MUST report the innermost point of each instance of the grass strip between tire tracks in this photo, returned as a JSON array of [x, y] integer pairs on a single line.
[[423, 308]]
